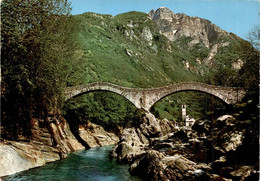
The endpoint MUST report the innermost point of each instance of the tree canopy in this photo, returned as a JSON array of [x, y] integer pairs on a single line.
[[38, 58]]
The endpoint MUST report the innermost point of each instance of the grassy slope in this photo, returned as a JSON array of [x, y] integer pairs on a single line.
[[105, 48]]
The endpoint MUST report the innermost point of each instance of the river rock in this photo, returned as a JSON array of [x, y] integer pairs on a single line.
[[166, 126], [225, 120], [11, 161], [242, 172], [150, 126], [202, 127], [217, 177], [155, 165], [129, 146], [228, 133], [95, 135], [235, 140], [209, 150], [18, 156], [134, 141]]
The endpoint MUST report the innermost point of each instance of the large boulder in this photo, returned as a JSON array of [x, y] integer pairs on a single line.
[[228, 134], [234, 140], [202, 127], [155, 165], [95, 135], [242, 172], [150, 132], [166, 126], [130, 146], [150, 126]]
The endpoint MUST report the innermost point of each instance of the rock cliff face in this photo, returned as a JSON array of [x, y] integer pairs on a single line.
[[47, 144], [174, 26], [194, 31], [157, 150], [51, 140]]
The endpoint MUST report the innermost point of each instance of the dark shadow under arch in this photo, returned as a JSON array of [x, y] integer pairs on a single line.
[[125, 105], [98, 90], [200, 106], [191, 90]]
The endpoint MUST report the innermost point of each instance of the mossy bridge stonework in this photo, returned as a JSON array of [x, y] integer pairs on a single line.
[[146, 97]]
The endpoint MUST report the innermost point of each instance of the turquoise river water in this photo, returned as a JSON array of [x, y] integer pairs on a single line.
[[92, 165]]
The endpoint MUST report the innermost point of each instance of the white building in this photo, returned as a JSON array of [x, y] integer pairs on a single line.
[[183, 110], [189, 121]]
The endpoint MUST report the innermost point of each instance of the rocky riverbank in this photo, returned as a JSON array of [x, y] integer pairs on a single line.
[[48, 142], [94, 136], [218, 150]]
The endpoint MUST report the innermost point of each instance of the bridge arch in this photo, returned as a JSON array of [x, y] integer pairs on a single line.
[[71, 92], [103, 90], [175, 92], [198, 87]]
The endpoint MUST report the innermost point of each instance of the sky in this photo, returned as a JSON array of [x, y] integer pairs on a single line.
[[237, 16]]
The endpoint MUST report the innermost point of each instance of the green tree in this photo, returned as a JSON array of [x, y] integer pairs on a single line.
[[38, 49], [254, 37], [249, 74], [104, 108]]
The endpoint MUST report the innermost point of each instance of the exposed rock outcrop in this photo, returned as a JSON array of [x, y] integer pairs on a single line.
[[174, 26], [49, 142], [95, 135], [194, 32], [157, 150], [209, 60], [163, 167], [237, 65], [130, 146], [134, 141], [147, 35], [11, 161], [58, 131]]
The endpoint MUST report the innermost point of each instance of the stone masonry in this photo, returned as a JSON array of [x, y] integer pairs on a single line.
[[146, 97]]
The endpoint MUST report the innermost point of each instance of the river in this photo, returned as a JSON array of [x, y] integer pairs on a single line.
[[92, 165]]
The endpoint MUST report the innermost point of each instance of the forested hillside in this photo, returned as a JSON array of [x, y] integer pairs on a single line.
[[134, 50]]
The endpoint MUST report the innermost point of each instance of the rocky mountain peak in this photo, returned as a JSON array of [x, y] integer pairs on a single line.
[[174, 26], [162, 13]]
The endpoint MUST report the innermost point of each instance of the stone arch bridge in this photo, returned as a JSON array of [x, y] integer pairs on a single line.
[[146, 97]]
